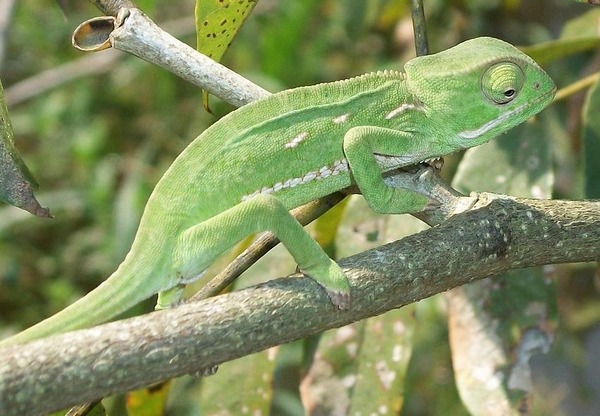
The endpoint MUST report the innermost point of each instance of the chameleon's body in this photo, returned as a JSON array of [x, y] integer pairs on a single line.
[[246, 171]]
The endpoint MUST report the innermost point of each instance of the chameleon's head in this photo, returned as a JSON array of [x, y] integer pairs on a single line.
[[479, 89]]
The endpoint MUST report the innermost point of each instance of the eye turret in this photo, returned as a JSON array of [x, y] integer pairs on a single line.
[[502, 82]]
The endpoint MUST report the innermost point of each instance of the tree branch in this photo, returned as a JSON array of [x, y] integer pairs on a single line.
[[134, 32], [81, 366]]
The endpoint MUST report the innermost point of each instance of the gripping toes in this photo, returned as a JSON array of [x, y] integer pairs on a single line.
[[334, 281]]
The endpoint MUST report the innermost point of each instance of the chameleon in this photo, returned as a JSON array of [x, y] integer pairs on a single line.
[[245, 172]]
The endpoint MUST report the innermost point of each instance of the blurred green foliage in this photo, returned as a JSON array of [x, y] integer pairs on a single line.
[[97, 145]]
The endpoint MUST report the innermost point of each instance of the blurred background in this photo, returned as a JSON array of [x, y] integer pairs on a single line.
[[99, 130]]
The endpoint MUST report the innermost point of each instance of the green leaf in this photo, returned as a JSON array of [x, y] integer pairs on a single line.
[[326, 227], [578, 35], [245, 384], [584, 25], [546, 52], [518, 164], [590, 133], [217, 23], [497, 324], [16, 182], [360, 368]]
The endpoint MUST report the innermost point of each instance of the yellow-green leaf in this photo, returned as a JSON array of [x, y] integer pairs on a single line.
[[217, 23], [148, 402], [591, 142]]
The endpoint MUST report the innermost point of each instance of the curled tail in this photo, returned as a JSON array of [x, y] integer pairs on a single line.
[[134, 281]]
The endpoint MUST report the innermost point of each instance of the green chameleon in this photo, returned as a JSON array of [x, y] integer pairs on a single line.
[[244, 173]]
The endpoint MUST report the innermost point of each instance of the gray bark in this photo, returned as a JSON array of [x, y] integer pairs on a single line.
[[84, 365]]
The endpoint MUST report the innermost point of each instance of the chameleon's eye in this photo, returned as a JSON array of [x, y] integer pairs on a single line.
[[502, 82]]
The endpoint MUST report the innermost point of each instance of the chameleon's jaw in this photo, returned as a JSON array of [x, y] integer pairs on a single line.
[[388, 163], [538, 103]]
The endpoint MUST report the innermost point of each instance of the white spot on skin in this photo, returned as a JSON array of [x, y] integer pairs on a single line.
[[341, 119], [337, 167], [400, 110], [296, 140], [324, 172], [309, 177]]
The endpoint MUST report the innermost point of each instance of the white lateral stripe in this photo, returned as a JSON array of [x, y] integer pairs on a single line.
[[336, 168], [296, 140], [341, 119], [399, 110], [473, 134]]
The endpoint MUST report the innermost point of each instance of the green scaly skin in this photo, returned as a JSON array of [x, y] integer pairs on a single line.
[[245, 172]]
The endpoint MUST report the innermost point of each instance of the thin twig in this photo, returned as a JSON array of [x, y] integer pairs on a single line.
[[419, 27], [137, 34], [112, 7], [577, 86]]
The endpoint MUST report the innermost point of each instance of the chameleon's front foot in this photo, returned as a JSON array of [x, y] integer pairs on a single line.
[[335, 283]]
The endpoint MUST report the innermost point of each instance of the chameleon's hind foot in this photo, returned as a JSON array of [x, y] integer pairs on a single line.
[[340, 299], [335, 283], [170, 298]]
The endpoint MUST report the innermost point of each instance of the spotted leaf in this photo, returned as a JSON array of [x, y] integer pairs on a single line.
[[217, 23]]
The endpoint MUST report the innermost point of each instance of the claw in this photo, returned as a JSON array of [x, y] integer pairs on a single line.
[[340, 299], [437, 162], [340, 295], [206, 372]]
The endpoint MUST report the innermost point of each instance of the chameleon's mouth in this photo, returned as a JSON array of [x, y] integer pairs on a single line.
[[387, 163], [473, 134]]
